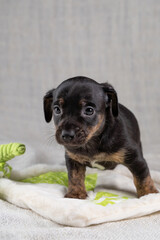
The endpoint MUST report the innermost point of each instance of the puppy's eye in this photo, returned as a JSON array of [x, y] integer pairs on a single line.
[[89, 111], [57, 110]]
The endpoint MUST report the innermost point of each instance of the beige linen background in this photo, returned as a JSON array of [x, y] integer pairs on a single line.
[[43, 43]]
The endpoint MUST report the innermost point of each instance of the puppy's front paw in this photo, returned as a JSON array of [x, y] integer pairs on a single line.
[[78, 195]]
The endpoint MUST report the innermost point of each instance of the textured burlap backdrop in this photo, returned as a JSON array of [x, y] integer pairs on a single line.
[[43, 42]]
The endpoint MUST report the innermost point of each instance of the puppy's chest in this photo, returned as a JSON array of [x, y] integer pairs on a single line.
[[99, 160]]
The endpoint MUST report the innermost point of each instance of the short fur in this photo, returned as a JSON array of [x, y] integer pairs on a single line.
[[95, 130]]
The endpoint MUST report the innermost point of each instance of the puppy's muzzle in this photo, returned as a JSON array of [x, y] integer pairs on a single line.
[[68, 135]]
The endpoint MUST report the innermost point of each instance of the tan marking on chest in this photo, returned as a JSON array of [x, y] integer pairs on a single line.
[[117, 157]]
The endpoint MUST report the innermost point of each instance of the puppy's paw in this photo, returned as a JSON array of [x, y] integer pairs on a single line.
[[142, 193], [77, 195]]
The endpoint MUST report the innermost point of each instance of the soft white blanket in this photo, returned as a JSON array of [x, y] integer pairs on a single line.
[[48, 199]]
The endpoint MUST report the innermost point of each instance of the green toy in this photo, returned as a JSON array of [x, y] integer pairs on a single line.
[[7, 152]]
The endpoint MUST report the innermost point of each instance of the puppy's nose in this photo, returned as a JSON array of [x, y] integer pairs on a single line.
[[68, 135]]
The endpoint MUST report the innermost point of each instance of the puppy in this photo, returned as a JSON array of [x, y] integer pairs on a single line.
[[96, 131]]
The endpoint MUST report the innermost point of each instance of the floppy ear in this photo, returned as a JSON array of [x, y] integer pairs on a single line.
[[47, 103], [111, 97]]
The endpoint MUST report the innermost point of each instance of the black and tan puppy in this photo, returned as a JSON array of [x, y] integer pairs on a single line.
[[96, 131]]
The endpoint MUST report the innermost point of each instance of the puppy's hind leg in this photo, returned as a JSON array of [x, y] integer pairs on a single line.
[[142, 179]]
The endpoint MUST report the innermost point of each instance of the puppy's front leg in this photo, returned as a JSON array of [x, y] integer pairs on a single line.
[[76, 178]]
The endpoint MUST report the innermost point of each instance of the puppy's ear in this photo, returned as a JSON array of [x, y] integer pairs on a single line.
[[111, 96], [47, 105]]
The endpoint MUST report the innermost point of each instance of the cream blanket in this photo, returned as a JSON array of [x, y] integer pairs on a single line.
[[113, 198]]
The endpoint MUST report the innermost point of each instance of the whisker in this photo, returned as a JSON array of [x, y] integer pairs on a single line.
[[50, 140], [49, 135]]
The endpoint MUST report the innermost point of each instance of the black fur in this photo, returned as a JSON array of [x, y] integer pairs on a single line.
[[118, 130]]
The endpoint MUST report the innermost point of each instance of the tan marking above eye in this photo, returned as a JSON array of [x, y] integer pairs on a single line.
[[82, 102], [61, 101]]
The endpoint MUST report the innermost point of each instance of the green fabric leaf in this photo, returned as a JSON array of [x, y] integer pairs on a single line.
[[90, 181], [105, 198], [104, 194], [62, 179]]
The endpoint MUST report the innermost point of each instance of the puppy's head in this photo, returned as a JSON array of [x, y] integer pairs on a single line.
[[79, 107]]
